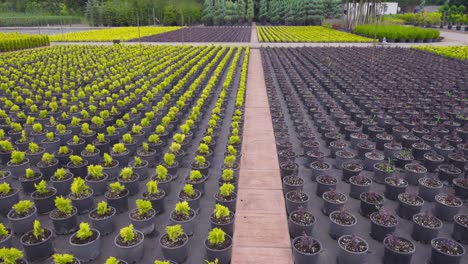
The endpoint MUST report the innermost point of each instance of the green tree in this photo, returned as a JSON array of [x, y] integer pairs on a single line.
[[170, 16], [333, 8], [314, 11], [263, 11], [207, 15], [241, 10], [250, 14]]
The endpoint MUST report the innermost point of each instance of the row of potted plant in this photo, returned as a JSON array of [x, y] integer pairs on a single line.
[[338, 136]]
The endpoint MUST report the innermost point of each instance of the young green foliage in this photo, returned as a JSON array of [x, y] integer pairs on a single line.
[[63, 205], [226, 190], [63, 259], [102, 208], [108, 160], [3, 231], [216, 236], [5, 188], [169, 159], [221, 211], [76, 160], [10, 255], [195, 175], [189, 190], [200, 161], [22, 207], [84, 232], [174, 232], [182, 208], [41, 187], [90, 149], [96, 171], [112, 260], [143, 207], [161, 173], [60, 174], [228, 175], [30, 173], [38, 231], [152, 187], [17, 157], [127, 233], [48, 158], [79, 187], [126, 173], [116, 187], [119, 148]]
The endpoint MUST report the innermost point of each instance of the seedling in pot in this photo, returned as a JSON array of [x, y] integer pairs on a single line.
[[161, 173], [17, 157], [169, 159], [30, 174], [126, 139], [79, 189], [230, 162], [228, 176], [143, 208], [76, 160], [203, 149], [64, 259], [11, 255], [119, 148], [96, 172]]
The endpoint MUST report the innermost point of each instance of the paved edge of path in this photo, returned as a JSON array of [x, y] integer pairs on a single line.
[[261, 231], [254, 36]]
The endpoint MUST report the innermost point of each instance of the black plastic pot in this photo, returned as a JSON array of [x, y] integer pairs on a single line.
[[133, 186], [105, 225], [222, 255], [157, 202], [347, 257], [439, 257], [86, 252], [379, 231], [131, 254], [44, 204], [84, 205], [292, 183], [18, 170], [460, 231], [366, 208], [38, 251], [428, 193], [28, 184], [304, 258], [391, 256], [292, 205], [48, 170], [23, 224], [64, 226], [446, 212], [63, 187], [99, 186], [337, 230], [7, 202], [407, 211], [120, 203], [448, 173], [323, 186], [228, 228], [424, 234], [146, 226], [357, 189], [187, 225], [332, 206], [392, 191], [78, 170]]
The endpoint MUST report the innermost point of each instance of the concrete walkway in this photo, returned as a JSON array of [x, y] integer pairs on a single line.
[[261, 232], [254, 36]]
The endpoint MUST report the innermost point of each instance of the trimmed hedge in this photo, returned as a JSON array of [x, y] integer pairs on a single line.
[[29, 21], [396, 32], [16, 41]]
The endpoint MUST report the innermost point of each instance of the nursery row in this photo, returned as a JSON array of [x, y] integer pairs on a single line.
[[28, 20], [15, 41], [306, 34], [397, 33], [146, 170], [373, 150], [202, 34], [120, 33], [457, 52]]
